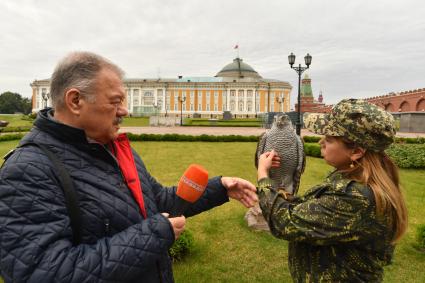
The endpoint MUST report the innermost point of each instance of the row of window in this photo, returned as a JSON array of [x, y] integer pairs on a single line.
[[240, 93]]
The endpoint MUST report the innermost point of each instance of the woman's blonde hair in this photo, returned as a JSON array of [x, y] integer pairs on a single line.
[[378, 171]]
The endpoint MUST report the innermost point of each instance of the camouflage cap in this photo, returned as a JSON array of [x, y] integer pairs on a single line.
[[361, 122]]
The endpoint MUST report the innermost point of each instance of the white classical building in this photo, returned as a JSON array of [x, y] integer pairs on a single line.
[[237, 88]]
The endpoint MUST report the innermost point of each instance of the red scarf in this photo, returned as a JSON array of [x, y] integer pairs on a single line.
[[122, 151]]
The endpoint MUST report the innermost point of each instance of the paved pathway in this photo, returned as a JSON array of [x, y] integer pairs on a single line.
[[220, 131]]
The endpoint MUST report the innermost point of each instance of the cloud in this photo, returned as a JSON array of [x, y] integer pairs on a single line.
[[360, 48]]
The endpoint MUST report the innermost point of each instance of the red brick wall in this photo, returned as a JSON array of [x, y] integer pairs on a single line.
[[406, 101]]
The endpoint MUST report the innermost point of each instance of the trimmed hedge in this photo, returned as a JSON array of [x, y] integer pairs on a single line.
[[182, 246], [189, 138], [11, 137], [15, 129], [408, 155], [404, 155], [410, 140], [311, 139], [312, 149]]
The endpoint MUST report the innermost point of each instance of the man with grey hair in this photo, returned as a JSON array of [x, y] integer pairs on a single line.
[[114, 225]]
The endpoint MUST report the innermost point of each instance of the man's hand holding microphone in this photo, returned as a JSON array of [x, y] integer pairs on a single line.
[[193, 184]]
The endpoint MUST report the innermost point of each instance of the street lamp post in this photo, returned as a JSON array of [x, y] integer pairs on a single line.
[[299, 70], [181, 100], [45, 97]]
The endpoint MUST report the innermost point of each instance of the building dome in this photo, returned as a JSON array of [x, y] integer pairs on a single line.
[[238, 69]]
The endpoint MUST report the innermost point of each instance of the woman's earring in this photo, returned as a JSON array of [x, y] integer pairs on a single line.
[[352, 164]]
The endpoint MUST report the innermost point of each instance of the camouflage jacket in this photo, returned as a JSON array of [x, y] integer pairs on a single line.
[[333, 231]]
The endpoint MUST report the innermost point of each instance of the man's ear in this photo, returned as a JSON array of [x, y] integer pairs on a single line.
[[73, 100], [357, 153]]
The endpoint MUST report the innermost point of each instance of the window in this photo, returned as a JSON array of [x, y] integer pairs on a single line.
[[215, 107], [199, 107], [232, 106], [175, 107], [241, 106], [148, 98], [136, 97], [240, 93], [215, 94], [232, 93], [208, 94], [208, 107], [184, 106], [192, 94], [159, 104], [191, 107], [249, 107], [249, 93]]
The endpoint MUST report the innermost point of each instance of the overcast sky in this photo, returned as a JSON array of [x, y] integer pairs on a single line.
[[360, 48]]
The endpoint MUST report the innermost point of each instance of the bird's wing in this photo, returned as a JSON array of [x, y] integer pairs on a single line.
[[260, 148], [300, 166]]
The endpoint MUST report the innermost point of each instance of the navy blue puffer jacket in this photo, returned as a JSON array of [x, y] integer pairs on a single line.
[[118, 244]]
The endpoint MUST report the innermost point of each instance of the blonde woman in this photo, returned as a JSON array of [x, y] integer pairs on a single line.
[[344, 229]]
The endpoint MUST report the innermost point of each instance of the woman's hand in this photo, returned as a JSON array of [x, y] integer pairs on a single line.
[[266, 161]]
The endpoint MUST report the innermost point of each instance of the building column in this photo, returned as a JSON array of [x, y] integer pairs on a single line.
[[244, 101], [227, 99]]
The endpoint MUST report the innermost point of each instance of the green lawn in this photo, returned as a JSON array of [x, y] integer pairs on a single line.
[[225, 249], [15, 120], [136, 122]]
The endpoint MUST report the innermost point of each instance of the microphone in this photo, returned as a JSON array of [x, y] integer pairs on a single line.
[[190, 188]]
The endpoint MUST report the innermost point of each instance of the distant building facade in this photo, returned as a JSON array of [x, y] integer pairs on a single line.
[[308, 103], [237, 88], [401, 102]]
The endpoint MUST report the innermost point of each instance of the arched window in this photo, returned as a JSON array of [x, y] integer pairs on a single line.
[[421, 105], [389, 107], [405, 107]]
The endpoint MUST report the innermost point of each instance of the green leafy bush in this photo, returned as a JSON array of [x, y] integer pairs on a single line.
[[408, 155], [410, 140], [420, 236], [311, 139], [312, 149], [182, 246], [29, 117], [189, 138], [11, 137], [16, 129]]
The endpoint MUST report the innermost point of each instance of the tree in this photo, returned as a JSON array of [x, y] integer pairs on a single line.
[[11, 102]]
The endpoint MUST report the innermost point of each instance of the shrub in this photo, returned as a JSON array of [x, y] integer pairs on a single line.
[[29, 117], [420, 236], [311, 139], [420, 140], [408, 155], [182, 246], [189, 138], [16, 129], [312, 149], [11, 137]]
